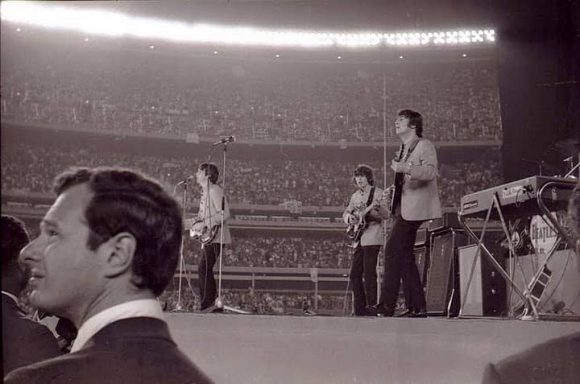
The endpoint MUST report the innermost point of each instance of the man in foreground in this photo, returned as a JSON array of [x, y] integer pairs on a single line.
[[107, 247]]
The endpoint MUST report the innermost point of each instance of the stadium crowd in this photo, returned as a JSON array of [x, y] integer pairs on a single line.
[[146, 93], [266, 250], [259, 182], [261, 302]]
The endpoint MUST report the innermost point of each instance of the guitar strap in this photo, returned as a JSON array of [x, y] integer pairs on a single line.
[[371, 197], [399, 179], [411, 149]]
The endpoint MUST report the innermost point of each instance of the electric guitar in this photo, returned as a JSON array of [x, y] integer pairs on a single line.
[[203, 233], [395, 191], [355, 230]]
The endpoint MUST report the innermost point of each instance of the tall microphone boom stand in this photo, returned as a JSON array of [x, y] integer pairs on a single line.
[[182, 269], [219, 302]]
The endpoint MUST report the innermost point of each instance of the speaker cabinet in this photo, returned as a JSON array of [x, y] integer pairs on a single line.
[[486, 295], [442, 276], [421, 259]]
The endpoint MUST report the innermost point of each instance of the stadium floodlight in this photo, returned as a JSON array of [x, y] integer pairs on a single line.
[[489, 35], [115, 24]]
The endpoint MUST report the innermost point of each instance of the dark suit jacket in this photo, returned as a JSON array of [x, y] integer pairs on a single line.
[[24, 341], [555, 361], [137, 350]]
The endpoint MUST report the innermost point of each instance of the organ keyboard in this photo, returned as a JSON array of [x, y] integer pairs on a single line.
[[519, 198]]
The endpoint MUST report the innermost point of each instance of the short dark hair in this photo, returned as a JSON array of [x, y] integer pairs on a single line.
[[415, 119], [125, 200], [366, 171], [211, 170], [14, 238]]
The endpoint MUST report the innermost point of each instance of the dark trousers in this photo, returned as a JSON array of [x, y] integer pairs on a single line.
[[400, 264], [363, 277], [206, 281]]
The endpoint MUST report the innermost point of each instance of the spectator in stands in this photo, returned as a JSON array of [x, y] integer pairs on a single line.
[[366, 226], [213, 212], [108, 246], [24, 341], [554, 361]]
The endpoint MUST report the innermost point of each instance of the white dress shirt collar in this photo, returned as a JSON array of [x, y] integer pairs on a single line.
[[135, 308]]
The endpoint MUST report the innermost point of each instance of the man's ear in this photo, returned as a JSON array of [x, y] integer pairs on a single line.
[[121, 249]]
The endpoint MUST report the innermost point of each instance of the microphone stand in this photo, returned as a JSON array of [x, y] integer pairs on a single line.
[[219, 302], [182, 269]]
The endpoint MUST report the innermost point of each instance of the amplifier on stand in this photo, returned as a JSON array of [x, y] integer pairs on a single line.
[[442, 276], [449, 220]]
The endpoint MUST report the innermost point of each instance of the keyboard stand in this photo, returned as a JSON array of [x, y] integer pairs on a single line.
[[560, 231], [496, 265]]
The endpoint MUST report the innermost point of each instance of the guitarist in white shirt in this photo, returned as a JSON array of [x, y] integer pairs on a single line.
[[416, 164], [362, 215], [213, 206]]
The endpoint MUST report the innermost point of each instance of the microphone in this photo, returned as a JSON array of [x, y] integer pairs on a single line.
[[185, 180], [225, 140]]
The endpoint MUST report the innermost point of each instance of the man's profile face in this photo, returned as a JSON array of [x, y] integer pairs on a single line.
[[64, 272], [201, 177], [402, 125], [361, 181]]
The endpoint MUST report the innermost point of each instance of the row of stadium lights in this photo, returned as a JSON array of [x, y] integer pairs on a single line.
[[363, 40], [114, 24], [215, 52]]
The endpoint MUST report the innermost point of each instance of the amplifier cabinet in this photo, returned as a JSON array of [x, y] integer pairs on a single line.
[[442, 276], [487, 291]]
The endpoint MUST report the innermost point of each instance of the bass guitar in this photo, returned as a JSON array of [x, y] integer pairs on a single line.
[[201, 232]]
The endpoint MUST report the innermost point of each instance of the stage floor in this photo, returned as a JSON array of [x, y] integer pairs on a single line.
[[234, 348]]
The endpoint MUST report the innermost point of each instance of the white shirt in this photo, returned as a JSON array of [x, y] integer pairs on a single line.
[[135, 308]]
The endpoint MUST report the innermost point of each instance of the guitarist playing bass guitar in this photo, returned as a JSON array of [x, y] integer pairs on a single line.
[[366, 230], [213, 207]]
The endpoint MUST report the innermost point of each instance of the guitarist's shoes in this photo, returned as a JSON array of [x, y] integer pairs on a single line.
[[370, 311], [384, 312]]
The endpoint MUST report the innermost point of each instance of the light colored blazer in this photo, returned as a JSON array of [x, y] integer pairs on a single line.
[[420, 197], [210, 210], [373, 234]]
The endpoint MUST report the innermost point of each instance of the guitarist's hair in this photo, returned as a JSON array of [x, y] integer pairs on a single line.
[[211, 170], [366, 171], [415, 119]]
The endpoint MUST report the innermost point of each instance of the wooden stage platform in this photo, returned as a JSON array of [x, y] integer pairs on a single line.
[[234, 348]]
